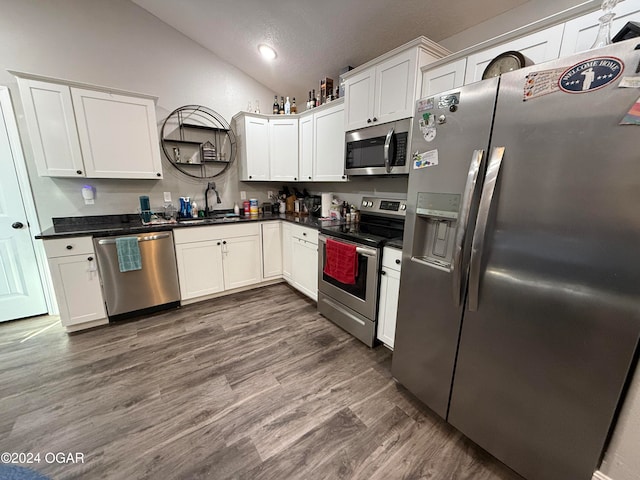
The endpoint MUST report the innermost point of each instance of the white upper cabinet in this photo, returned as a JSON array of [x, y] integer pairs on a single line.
[[283, 149], [359, 92], [48, 110], [395, 87], [540, 47], [80, 132], [329, 144], [386, 88], [253, 140], [118, 135], [445, 77], [305, 146], [581, 32]]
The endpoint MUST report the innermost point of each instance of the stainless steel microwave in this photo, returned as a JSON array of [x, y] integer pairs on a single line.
[[379, 150]]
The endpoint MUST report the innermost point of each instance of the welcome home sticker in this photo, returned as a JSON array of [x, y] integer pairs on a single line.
[[590, 75]]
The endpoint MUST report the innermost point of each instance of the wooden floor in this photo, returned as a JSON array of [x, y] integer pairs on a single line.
[[255, 385]]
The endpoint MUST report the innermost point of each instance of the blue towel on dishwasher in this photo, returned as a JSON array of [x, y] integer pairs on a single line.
[[128, 254]]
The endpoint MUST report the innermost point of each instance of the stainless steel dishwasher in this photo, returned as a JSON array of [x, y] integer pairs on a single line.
[[153, 287]]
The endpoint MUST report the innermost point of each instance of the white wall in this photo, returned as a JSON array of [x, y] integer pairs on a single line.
[[117, 44]]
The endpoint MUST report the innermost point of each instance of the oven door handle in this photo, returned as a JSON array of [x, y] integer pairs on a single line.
[[387, 145], [367, 252]]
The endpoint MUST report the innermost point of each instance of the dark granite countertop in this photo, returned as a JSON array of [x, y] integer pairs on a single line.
[[127, 224], [396, 243]]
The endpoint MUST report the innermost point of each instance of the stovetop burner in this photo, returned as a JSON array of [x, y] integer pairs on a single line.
[[381, 220]]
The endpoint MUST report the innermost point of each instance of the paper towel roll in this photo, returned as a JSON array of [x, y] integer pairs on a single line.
[[327, 198]]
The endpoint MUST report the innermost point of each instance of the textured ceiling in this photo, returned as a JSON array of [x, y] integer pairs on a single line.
[[315, 39]]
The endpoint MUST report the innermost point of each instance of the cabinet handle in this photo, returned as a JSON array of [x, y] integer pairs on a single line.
[[90, 259], [382, 272], [343, 176], [397, 261], [375, 119], [158, 174], [79, 172], [17, 225], [295, 178], [224, 242], [69, 247], [250, 177], [368, 120], [218, 243], [309, 178], [304, 233]]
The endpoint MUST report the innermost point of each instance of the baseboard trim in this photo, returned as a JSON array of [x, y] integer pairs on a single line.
[[224, 293], [598, 475]]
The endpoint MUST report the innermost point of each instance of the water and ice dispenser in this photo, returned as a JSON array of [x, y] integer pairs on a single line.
[[435, 228]]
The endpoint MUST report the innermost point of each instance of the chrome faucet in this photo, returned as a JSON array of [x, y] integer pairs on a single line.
[[210, 186]]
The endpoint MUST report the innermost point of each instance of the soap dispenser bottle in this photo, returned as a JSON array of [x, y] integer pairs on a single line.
[[236, 209]]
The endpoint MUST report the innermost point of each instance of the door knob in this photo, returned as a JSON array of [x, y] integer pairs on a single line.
[[17, 225]]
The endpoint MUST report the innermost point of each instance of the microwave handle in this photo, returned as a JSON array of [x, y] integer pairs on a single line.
[[387, 144]]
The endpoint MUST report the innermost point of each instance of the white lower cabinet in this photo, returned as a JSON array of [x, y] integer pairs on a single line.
[[287, 250], [271, 250], [74, 274], [200, 268], [300, 259], [213, 259], [389, 293]]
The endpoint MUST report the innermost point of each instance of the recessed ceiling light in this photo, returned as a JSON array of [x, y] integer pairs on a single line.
[[267, 52]]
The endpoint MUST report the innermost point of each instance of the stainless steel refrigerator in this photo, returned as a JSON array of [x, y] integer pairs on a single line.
[[519, 310]]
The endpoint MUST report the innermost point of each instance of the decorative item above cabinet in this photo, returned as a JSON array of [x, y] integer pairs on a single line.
[[79, 130], [386, 88]]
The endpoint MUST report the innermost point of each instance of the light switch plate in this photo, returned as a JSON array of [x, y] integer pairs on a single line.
[[167, 196], [243, 195]]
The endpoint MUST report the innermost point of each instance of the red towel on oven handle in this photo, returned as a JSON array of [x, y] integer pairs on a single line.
[[341, 262]]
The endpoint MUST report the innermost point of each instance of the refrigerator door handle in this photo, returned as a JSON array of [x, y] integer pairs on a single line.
[[387, 144], [463, 225], [477, 245]]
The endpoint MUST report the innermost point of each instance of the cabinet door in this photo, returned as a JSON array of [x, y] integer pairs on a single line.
[[388, 306], [283, 149], [256, 148], [305, 267], [329, 145], [305, 142], [271, 250], [581, 32], [539, 47], [287, 250], [358, 103], [200, 268], [241, 261], [48, 110], [443, 78], [118, 135], [78, 291], [395, 87]]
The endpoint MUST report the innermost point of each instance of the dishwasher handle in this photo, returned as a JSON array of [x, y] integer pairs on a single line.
[[142, 238]]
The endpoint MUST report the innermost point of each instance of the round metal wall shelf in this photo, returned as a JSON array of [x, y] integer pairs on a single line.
[[198, 141]]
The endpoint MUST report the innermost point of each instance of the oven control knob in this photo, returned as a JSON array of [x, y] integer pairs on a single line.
[[369, 204], [403, 207], [364, 204]]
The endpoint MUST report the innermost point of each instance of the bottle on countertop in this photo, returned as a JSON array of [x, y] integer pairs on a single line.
[[281, 109], [257, 107], [309, 101], [314, 100], [287, 107], [194, 210], [276, 107], [246, 206], [236, 208], [294, 108]]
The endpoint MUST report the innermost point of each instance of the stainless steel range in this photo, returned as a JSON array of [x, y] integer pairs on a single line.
[[354, 307]]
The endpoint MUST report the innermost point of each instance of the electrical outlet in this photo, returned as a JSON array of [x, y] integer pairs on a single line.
[[167, 197], [243, 195], [269, 194]]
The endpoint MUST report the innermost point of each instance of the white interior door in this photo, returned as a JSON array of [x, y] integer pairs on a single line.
[[21, 293]]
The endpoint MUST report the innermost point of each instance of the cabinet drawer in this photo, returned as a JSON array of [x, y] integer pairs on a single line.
[[392, 258], [212, 232], [305, 233], [64, 247]]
